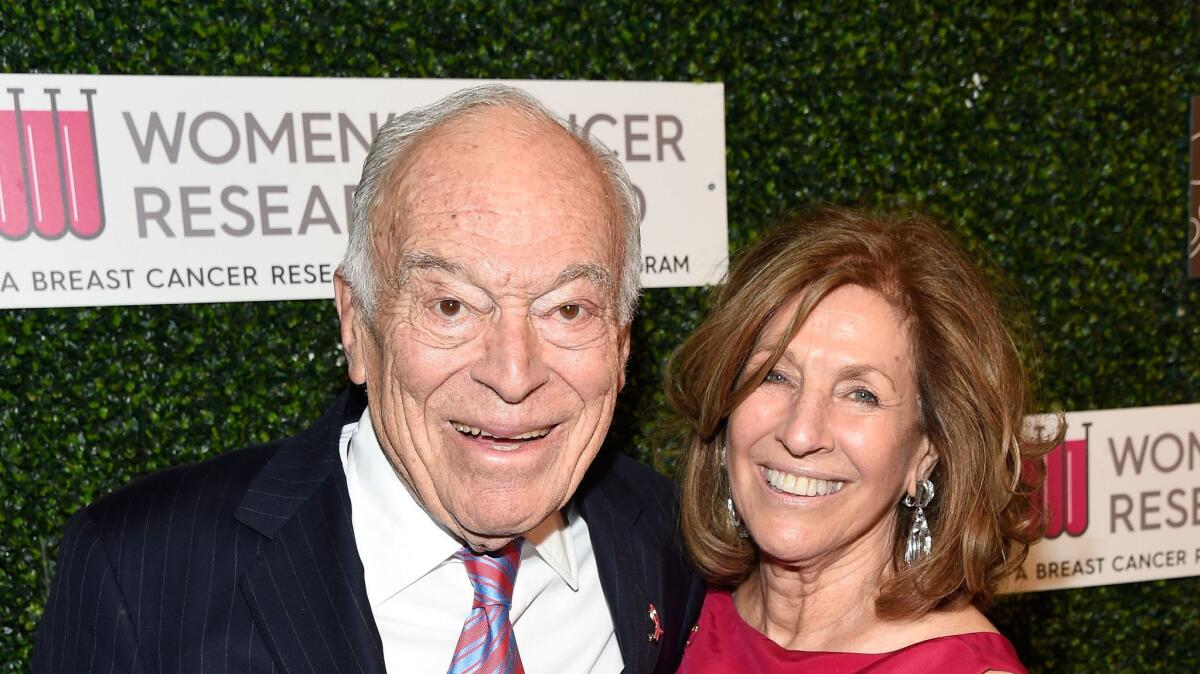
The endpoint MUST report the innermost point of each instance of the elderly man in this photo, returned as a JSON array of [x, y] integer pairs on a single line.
[[442, 516]]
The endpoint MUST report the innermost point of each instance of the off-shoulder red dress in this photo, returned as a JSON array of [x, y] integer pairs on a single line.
[[723, 642]]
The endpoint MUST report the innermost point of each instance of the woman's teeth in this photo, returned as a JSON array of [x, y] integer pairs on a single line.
[[800, 485], [471, 430]]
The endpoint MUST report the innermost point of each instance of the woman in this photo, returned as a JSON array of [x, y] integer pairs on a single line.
[[852, 485]]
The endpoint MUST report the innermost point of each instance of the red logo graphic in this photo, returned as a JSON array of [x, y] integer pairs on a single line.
[[1064, 496], [49, 170]]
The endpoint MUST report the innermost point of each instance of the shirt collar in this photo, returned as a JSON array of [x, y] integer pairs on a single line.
[[400, 543], [551, 541]]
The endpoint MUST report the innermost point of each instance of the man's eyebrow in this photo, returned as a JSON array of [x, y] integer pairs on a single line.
[[593, 272], [420, 260]]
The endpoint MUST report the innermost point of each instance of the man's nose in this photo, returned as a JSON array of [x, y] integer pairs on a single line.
[[805, 429], [512, 364]]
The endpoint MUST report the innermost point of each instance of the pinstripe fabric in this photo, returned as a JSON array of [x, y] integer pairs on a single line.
[[631, 513], [247, 563], [182, 571], [486, 644]]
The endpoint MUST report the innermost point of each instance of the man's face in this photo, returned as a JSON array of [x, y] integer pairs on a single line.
[[495, 354]]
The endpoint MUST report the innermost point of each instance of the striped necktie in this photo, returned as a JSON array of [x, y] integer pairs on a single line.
[[487, 644]]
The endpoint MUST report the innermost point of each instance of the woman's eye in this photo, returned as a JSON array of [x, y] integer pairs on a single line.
[[862, 395], [775, 377], [570, 312], [450, 308]]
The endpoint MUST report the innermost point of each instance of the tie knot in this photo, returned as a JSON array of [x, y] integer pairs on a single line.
[[492, 573]]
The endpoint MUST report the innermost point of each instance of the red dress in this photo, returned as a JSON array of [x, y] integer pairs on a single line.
[[723, 642]]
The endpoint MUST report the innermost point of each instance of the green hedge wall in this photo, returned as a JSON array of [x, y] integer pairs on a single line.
[[1053, 138]]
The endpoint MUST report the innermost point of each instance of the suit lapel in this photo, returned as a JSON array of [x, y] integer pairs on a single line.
[[306, 591], [629, 569]]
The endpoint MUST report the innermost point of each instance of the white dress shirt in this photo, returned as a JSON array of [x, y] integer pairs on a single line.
[[420, 594]]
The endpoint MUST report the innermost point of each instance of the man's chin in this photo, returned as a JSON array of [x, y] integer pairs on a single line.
[[487, 543], [488, 534]]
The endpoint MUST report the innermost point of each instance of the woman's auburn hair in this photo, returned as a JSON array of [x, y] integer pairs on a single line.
[[973, 398]]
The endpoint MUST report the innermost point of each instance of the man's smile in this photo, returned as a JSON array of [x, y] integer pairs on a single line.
[[497, 434]]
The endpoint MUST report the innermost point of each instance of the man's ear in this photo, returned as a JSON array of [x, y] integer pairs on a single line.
[[624, 348], [354, 337]]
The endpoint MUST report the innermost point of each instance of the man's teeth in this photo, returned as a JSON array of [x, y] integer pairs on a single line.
[[471, 430], [802, 486]]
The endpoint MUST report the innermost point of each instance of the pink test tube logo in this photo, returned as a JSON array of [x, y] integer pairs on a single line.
[[1064, 496], [49, 170]]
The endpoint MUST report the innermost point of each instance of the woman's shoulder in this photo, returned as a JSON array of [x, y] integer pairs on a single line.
[[970, 653], [963, 619], [962, 637]]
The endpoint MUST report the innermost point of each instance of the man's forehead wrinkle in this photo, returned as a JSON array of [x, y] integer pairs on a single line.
[[446, 167], [393, 210], [469, 179], [412, 261]]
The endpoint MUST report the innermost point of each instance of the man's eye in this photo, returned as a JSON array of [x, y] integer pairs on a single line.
[[450, 308], [570, 312]]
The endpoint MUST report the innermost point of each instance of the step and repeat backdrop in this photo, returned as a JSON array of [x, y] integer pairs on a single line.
[[118, 190], [142, 218], [154, 190]]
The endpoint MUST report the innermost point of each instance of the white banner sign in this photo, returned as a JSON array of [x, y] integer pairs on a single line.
[[152, 190], [1123, 497]]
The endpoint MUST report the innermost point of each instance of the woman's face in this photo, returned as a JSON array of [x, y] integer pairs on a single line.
[[828, 443]]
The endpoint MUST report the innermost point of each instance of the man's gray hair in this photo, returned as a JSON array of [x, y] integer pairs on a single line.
[[401, 133]]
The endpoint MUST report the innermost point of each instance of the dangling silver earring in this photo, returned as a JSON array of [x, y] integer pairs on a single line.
[[734, 520], [731, 510], [920, 541]]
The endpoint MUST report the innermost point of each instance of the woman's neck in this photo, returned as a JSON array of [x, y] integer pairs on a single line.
[[824, 604]]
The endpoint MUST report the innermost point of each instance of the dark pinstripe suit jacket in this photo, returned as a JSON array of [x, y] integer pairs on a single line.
[[247, 563]]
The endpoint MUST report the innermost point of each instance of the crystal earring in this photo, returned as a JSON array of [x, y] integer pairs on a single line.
[[730, 509], [734, 520], [920, 541]]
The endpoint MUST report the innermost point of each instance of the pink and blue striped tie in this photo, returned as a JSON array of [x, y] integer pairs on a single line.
[[487, 644]]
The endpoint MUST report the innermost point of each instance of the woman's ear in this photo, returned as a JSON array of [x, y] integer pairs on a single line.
[[923, 464]]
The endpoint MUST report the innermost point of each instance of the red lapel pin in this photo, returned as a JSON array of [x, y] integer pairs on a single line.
[[658, 631]]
